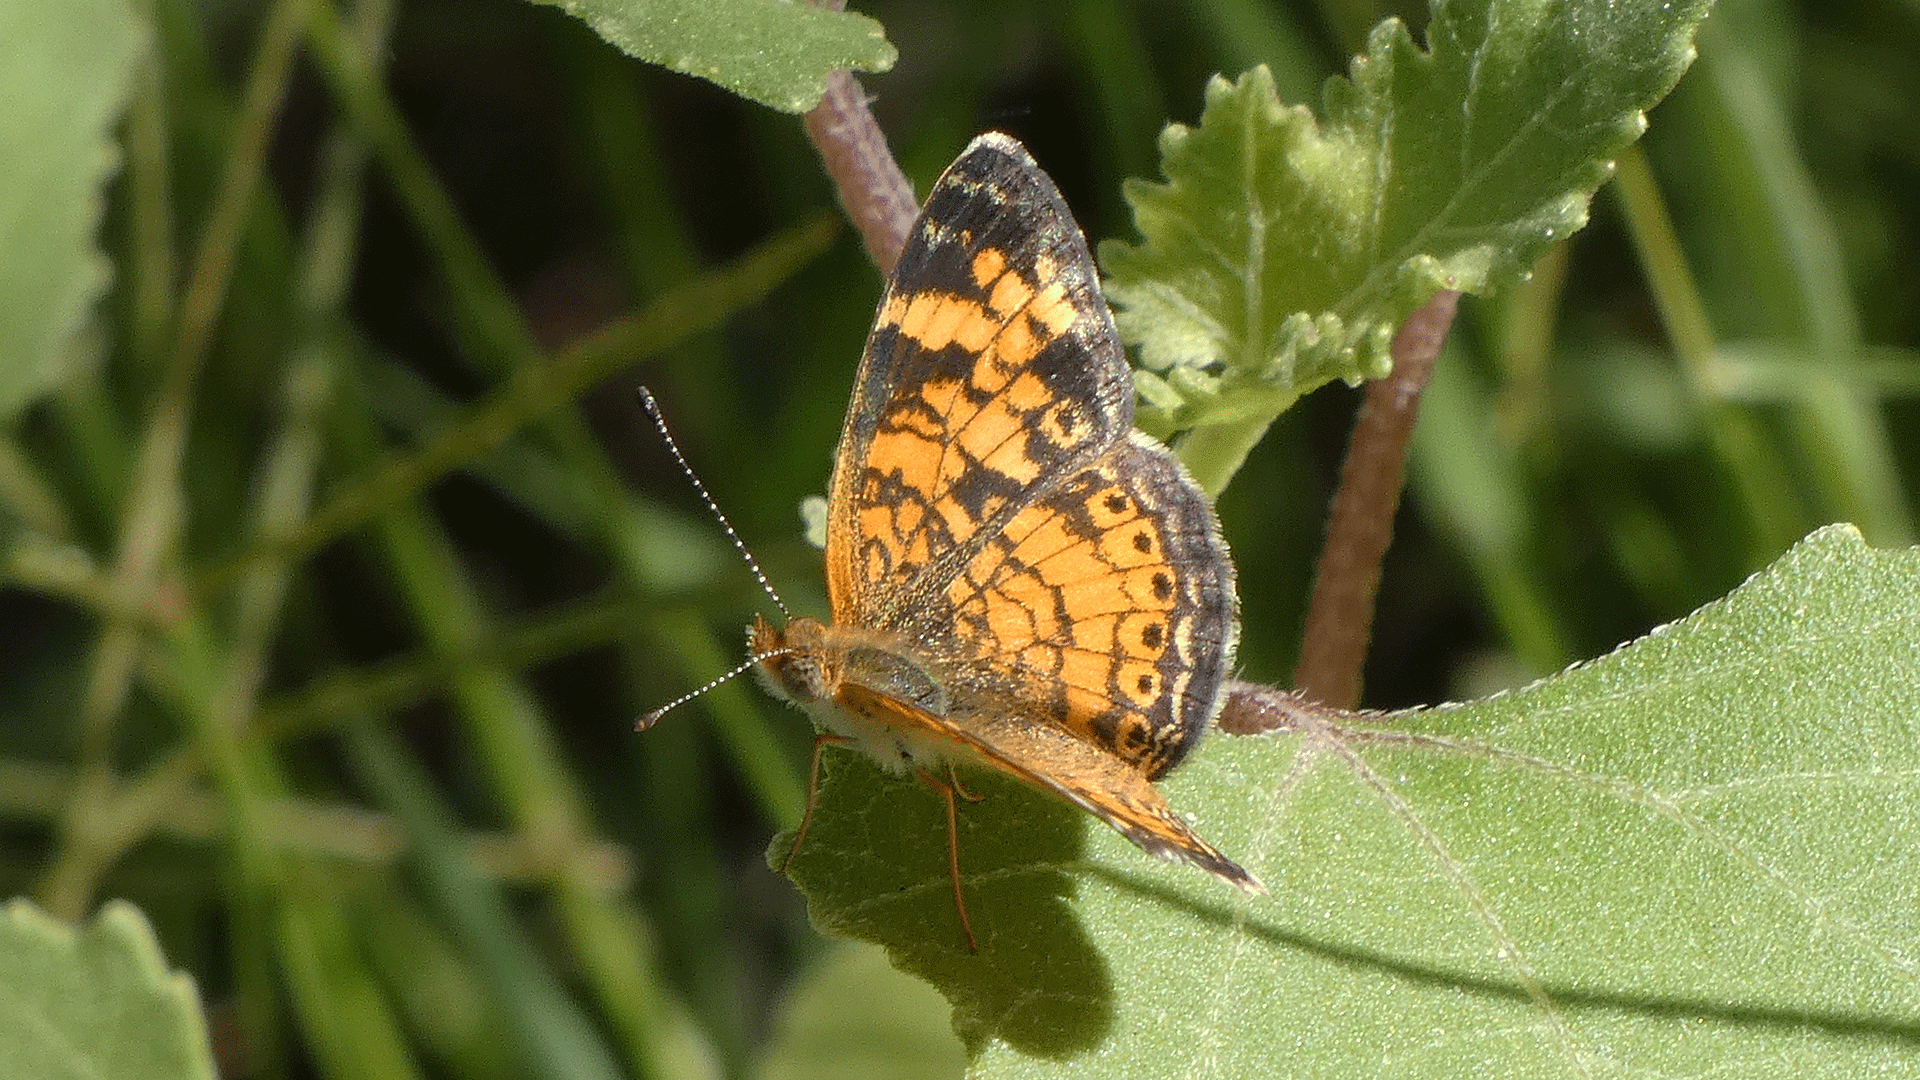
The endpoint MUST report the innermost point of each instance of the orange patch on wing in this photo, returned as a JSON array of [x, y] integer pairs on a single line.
[[990, 263], [1016, 346], [1037, 535], [936, 320], [1053, 310], [1086, 701], [917, 552], [1010, 294], [1086, 671], [1065, 424], [995, 437], [917, 421], [916, 311], [1111, 507], [1012, 623], [941, 395], [914, 457], [1097, 594], [1140, 682], [1143, 635], [1028, 393], [895, 531], [1130, 545], [961, 524], [976, 329], [1094, 633], [1151, 588], [1012, 461], [1076, 564], [878, 522], [891, 525]]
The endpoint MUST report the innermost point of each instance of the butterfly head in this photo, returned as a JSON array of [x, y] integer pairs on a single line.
[[796, 662]]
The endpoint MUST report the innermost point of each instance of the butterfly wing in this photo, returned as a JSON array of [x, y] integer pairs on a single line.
[[993, 372], [1105, 786], [1106, 606]]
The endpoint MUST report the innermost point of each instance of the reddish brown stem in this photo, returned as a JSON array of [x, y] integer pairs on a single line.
[[1255, 709], [872, 189], [1360, 522]]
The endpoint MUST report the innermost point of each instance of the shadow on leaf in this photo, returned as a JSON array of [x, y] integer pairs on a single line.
[[874, 867]]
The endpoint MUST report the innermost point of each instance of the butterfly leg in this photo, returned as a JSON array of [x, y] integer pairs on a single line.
[[954, 779], [947, 792], [820, 742]]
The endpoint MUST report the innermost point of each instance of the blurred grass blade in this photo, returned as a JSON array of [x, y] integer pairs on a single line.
[[541, 389], [557, 1038]]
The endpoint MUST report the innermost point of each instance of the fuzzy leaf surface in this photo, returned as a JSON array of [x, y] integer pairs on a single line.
[[1692, 856]]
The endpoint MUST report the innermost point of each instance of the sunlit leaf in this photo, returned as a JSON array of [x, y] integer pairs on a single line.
[[1692, 856], [64, 83], [99, 1004], [1282, 252], [775, 52]]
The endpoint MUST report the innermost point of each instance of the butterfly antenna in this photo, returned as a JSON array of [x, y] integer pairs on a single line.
[[666, 436], [652, 716]]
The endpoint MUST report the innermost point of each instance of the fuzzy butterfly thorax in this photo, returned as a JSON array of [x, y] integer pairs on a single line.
[[812, 665]]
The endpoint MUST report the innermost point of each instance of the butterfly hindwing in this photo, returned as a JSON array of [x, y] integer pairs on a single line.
[[1108, 607], [1040, 755]]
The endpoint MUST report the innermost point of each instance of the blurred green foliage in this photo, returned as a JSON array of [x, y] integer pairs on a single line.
[[374, 784]]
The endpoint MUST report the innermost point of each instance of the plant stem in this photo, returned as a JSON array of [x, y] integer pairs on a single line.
[[1333, 648], [871, 187]]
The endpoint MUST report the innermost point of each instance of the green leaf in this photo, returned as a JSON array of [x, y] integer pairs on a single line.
[[1282, 253], [1692, 856], [64, 83], [98, 1005], [854, 1017], [775, 52]]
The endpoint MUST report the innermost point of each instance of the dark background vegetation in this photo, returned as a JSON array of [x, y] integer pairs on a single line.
[[593, 183]]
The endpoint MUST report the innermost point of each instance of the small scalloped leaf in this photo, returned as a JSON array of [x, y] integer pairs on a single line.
[[63, 86], [1283, 253], [775, 52], [97, 1003]]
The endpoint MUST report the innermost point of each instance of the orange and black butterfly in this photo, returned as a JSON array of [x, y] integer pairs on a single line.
[[1019, 579]]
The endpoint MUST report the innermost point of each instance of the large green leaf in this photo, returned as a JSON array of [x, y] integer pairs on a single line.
[[94, 1005], [1281, 253], [64, 74], [775, 52], [1692, 856]]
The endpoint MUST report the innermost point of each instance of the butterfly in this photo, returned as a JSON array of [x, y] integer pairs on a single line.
[[1019, 580]]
